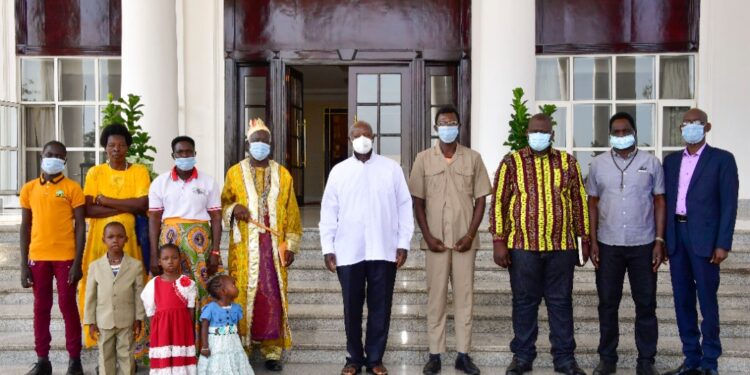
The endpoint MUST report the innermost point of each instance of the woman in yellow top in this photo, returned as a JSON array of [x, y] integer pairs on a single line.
[[260, 191], [115, 191]]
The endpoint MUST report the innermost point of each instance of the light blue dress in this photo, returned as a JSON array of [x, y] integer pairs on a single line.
[[227, 354]]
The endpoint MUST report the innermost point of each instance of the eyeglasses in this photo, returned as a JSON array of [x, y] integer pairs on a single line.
[[448, 124], [686, 123]]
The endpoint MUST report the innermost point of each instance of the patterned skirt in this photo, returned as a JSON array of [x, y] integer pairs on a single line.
[[227, 354]]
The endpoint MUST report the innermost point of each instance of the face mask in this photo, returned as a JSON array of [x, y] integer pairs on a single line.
[[260, 150], [185, 164], [622, 143], [53, 165], [447, 134], [692, 133], [539, 141], [362, 144]]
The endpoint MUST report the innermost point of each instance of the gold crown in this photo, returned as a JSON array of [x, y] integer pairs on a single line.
[[255, 125]]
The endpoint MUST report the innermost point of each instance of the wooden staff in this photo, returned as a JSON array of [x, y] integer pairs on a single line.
[[282, 246]]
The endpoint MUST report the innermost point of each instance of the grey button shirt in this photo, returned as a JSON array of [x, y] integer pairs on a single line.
[[626, 216]]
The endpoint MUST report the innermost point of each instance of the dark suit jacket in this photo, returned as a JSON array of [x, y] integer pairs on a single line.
[[711, 200]]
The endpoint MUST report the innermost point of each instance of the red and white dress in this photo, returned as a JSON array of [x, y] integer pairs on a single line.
[[172, 335]]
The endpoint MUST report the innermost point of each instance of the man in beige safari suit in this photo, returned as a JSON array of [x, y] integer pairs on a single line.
[[449, 184]]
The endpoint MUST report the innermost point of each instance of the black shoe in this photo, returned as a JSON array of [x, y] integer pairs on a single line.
[[42, 367], [432, 367], [710, 372], [605, 368], [274, 365], [518, 367], [684, 370], [570, 369], [465, 364], [646, 369], [74, 367]]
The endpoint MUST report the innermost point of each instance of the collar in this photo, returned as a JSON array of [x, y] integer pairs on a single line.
[[54, 181], [697, 154], [526, 152], [437, 152], [368, 161], [627, 157], [176, 177]]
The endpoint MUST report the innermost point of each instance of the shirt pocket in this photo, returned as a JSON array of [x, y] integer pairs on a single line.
[[435, 179], [644, 180], [465, 180]]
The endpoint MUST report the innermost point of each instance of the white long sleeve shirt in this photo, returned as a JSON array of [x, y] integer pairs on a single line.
[[366, 212]]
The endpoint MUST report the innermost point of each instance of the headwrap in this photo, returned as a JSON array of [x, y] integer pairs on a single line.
[[255, 125]]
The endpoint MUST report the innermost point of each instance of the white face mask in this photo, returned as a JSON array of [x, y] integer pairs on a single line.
[[362, 144]]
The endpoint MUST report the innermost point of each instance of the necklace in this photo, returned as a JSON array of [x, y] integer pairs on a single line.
[[114, 261], [622, 171], [127, 165]]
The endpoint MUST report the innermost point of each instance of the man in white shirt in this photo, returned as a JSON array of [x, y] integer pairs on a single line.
[[366, 225]]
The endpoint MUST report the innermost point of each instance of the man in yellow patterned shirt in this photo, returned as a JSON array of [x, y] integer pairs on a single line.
[[258, 195], [538, 209]]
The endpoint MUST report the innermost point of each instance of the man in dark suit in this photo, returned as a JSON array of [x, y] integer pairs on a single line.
[[701, 190]]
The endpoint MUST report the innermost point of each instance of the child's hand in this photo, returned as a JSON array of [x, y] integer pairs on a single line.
[[137, 328], [206, 352], [94, 331]]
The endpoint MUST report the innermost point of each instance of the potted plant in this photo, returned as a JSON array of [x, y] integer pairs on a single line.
[[519, 120], [128, 113]]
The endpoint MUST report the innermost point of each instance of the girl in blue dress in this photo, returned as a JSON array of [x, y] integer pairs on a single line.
[[221, 351]]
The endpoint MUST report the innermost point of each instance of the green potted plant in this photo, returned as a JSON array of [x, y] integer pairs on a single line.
[[519, 120], [128, 113]]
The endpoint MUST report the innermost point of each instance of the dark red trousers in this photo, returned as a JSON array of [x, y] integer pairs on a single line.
[[42, 273]]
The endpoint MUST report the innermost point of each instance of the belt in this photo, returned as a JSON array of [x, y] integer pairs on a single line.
[[680, 218]]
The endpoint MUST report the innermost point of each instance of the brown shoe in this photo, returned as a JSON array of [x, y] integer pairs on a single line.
[[378, 370], [350, 369]]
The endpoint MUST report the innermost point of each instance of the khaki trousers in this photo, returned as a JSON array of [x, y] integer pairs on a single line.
[[459, 269], [116, 348]]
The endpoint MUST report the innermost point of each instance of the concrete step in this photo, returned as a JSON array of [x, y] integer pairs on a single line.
[[496, 294], [410, 348]]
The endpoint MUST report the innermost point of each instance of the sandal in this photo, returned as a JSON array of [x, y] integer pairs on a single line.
[[350, 369], [378, 370]]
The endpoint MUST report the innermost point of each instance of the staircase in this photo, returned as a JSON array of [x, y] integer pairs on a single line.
[[316, 316]]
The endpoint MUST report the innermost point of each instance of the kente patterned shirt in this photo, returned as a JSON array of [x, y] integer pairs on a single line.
[[539, 202]]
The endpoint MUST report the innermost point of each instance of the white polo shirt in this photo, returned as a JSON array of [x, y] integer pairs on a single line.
[[189, 199]]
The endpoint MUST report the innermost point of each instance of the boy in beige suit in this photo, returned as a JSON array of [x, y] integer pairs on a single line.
[[114, 311]]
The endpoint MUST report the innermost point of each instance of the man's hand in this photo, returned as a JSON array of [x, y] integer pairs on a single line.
[[401, 255], [463, 244], [585, 251], [500, 254], [154, 267], [213, 262], [240, 212], [435, 245], [658, 257], [94, 331], [26, 280], [288, 258], [74, 274], [594, 248], [137, 328], [719, 255], [330, 261]]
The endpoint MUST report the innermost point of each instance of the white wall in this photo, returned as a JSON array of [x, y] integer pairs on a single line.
[[503, 58], [200, 81], [724, 79]]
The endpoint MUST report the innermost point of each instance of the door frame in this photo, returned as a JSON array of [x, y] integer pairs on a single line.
[[277, 101]]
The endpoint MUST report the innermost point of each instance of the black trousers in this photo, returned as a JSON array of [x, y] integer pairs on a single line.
[[373, 281], [614, 261], [543, 274]]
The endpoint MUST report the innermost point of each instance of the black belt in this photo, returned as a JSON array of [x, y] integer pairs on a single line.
[[680, 218]]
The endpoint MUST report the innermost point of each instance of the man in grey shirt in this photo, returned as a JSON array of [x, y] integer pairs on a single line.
[[627, 214]]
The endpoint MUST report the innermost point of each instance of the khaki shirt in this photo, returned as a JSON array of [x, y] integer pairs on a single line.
[[449, 191]]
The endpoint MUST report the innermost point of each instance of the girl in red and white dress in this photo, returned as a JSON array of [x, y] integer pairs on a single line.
[[169, 300]]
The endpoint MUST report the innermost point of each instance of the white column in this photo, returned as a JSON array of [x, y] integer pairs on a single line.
[[149, 69], [723, 80], [502, 58]]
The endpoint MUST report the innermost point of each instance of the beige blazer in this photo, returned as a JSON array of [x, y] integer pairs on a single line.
[[114, 302]]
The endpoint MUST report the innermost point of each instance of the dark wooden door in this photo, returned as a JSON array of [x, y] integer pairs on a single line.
[[381, 95], [296, 155]]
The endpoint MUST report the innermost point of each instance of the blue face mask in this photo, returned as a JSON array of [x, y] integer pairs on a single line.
[[539, 141], [53, 165], [622, 143], [447, 134], [185, 164], [692, 133], [260, 150]]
